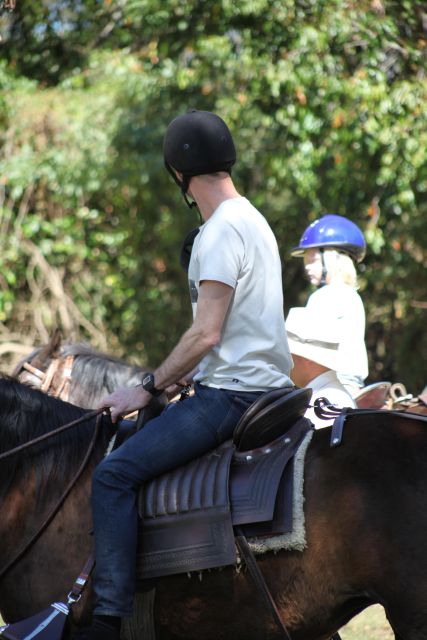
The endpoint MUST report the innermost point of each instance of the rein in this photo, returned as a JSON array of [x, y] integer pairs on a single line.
[[65, 427], [52, 513]]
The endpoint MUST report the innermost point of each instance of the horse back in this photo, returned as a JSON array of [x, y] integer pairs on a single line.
[[366, 498]]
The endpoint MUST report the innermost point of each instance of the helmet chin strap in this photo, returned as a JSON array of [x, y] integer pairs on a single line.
[[324, 270], [183, 185], [192, 204]]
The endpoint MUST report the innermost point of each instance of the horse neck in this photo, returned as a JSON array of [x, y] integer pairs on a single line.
[[94, 376], [66, 543]]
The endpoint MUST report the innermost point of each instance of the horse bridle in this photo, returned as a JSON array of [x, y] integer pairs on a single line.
[[52, 513], [56, 380]]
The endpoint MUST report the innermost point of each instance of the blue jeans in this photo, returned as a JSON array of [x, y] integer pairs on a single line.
[[182, 432]]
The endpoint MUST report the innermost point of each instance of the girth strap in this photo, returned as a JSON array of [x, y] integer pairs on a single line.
[[259, 581], [258, 578]]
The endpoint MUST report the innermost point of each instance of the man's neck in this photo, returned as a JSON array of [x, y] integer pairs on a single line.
[[211, 191]]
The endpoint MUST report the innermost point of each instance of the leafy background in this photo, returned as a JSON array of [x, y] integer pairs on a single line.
[[327, 103]]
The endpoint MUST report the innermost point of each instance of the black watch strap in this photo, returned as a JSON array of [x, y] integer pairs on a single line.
[[149, 385]]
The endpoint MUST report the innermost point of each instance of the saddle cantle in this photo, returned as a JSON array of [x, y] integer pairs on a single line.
[[187, 515], [270, 416]]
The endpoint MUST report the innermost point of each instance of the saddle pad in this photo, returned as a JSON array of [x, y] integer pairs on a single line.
[[186, 523]]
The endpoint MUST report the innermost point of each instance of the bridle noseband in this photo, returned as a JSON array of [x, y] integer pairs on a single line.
[[55, 381]]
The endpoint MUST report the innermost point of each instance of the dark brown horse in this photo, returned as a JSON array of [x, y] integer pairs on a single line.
[[366, 530]]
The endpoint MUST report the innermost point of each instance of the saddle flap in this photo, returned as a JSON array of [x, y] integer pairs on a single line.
[[270, 417], [283, 517], [185, 515], [256, 474], [200, 484]]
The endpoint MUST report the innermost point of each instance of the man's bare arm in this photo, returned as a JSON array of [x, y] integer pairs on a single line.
[[205, 332]]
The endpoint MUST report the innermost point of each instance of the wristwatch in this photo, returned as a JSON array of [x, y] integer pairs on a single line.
[[148, 385]]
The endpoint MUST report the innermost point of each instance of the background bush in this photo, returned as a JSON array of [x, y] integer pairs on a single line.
[[327, 103]]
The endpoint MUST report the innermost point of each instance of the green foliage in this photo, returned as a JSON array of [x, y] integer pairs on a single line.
[[327, 102]]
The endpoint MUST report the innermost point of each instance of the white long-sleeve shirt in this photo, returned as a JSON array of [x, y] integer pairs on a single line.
[[343, 305]]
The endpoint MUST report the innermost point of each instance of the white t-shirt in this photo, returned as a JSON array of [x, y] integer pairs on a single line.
[[237, 247], [328, 386], [344, 306]]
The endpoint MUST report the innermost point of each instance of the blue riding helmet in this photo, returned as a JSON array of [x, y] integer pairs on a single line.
[[333, 232]]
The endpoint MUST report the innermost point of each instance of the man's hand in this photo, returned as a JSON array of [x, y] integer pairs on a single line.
[[173, 391], [124, 401]]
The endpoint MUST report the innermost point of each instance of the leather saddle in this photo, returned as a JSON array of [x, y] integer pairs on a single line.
[[374, 396], [187, 515], [270, 416]]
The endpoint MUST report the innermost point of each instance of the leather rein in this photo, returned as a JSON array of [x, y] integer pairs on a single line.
[[52, 513]]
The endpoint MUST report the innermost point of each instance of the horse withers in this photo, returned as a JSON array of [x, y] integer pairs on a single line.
[[365, 525]]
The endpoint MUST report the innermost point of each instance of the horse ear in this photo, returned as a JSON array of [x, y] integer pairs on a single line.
[[55, 342], [49, 351]]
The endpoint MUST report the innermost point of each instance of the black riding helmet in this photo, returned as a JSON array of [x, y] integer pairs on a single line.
[[197, 143]]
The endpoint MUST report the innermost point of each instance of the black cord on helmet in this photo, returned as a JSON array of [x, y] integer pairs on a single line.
[[190, 203], [184, 184], [193, 205], [324, 269]]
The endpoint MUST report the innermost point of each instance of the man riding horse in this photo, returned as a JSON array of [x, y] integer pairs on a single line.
[[237, 341]]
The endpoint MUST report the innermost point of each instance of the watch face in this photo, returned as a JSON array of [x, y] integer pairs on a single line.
[[148, 380], [149, 385]]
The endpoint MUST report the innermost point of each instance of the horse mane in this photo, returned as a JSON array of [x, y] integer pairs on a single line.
[[94, 373], [98, 373], [27, 413]]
